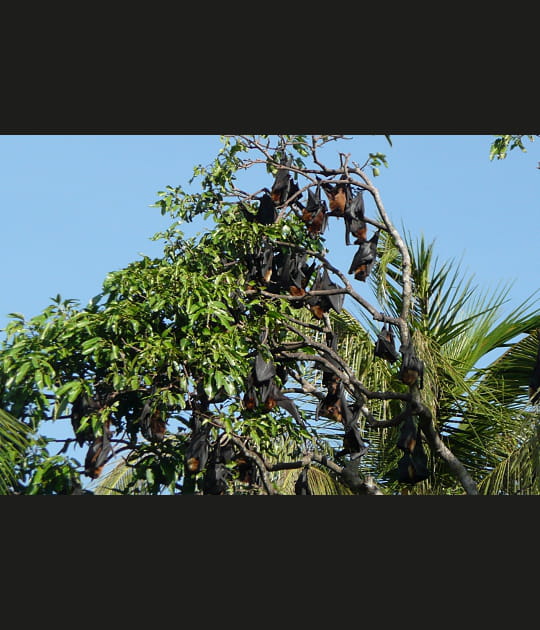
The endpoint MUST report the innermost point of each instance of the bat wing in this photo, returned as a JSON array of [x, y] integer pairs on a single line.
[[264, 370], [408, 434], [266, 213], [385, 346]]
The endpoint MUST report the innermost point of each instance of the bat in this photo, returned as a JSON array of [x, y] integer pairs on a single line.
[[217, 475], [272, 396], [261, 388], [364, 258], [329, 378], [339, 197], [413, 467], [315, 213], [354, 220], [301, 486], [266, 211], [197, 451], [385, 345], [293, 275], [247, 470], [260, 264], [320, 304], [83, 406], [98, 454], [534, 380], [333, 405], [152, 424], [408, 434], [282, 184], [412, 368], [353, 444]]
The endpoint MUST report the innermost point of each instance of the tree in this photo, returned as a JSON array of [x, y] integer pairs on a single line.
[[507, 142], [218, 367]]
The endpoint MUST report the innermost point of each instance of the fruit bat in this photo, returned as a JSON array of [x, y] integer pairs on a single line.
[[353, 444], [261, 388], [217, 474], [413, 467], [315, 213], [408, 434], [83, 406], [385, 345], [260, 264], [354, 221], [333, 405], [282, 184], [152, 424], [98, 454], [364, 258], [247, 470], [301, 486], [320, 304], [412, 368], [293, 275], [266, 211], [339, 197], [197, 451], [534, 380]]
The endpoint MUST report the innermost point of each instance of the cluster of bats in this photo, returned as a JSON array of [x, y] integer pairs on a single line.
[[341, 201], [279, 269], [140, 415]]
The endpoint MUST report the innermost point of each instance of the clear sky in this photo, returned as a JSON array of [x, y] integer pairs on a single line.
[[74, 207]]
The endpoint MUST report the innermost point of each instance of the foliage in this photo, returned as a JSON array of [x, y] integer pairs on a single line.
[[507, 142]]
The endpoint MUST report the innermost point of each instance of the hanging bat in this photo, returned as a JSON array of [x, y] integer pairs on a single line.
[[353, 444], [197, 451], [408, 434], [329, 378], [83, 406], [98, 454], [354, 220], [385, 345], [260, 264], [412, 368], [301, 486], [294, 274], [320, 304], [217, 475], [282, 184], [364, 258], [272, 396], [534, 380], [152, 424], [333, 405], [413, 467], [315, 213], [266, 211], [247, 470], [262, 389], [339, 197]]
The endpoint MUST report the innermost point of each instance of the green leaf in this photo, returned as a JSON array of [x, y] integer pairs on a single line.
[[22, 372]]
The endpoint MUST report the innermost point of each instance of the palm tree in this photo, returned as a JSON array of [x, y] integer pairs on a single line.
[[479, 361], [14, 440]]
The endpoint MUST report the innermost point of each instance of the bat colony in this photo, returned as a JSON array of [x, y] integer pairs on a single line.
[[281, 270]]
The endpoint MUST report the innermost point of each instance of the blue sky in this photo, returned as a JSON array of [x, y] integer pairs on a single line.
[[74, 207]]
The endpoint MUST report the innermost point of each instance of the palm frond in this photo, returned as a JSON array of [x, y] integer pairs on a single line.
[[14, 440]]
